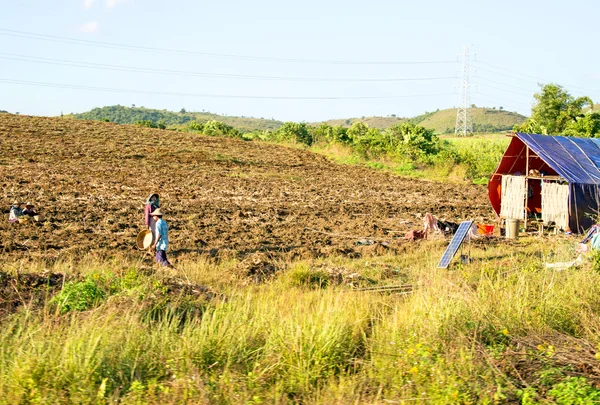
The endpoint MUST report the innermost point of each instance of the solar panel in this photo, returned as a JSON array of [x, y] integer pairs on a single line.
[[457, 240]]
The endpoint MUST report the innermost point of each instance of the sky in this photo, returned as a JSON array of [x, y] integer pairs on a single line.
[[292, 61]]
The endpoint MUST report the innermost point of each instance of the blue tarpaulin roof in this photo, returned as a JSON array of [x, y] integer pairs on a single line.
[[577, 160]]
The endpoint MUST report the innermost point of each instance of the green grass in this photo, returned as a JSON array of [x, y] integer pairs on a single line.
[[304, 338]]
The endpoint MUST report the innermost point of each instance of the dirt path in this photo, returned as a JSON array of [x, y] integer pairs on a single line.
[[222, 196]]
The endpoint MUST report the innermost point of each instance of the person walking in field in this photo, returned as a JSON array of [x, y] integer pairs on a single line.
[[152, 204], [161, 238]]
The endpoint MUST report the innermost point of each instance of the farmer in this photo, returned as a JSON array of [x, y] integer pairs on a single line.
[[152, 203], [29, 211], [161, 238], [15, 212]]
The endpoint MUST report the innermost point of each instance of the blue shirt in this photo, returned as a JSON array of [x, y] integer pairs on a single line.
[[163, 230]]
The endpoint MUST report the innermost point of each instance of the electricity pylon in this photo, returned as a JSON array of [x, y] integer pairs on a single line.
[[464, 122]]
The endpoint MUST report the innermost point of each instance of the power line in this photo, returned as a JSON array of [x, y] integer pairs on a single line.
[[495, 98], [121, 68], [166, 93], [537, 79], [508, 91], [507, 75], [111, 45], [505, 84]]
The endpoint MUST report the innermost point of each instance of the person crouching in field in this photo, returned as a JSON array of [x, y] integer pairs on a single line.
[[29, 210], [15, 212], [152, 204], [161, 239]]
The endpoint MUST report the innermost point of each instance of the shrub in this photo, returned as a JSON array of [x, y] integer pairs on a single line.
[[146, 124], [574, 391], [78, 296], [295, 132], [214, 128]]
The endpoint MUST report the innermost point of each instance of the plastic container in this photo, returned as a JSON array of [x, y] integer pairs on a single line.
[[512, 228], [484, 229]]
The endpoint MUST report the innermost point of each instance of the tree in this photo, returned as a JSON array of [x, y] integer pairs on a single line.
[[587, 126], [182, 111], [555, 110], [415, 140], [358, 130], [297, 132]]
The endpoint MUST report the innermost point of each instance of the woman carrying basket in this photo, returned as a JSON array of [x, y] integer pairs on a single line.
[[152, 204]]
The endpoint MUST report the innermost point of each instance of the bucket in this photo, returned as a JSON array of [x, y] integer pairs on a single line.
[[512, 228], [484, 229]]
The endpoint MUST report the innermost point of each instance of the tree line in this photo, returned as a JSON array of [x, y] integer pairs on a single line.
[[556, 112]]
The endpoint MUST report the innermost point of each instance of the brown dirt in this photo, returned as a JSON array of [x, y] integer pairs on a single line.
[[223, 197], [18, 290]]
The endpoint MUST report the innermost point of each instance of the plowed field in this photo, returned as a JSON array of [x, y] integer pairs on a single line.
[[222, 196]]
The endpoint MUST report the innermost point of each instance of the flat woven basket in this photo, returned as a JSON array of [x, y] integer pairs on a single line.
[[144, 239]]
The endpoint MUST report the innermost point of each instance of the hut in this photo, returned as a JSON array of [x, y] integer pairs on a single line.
[[554, 178]]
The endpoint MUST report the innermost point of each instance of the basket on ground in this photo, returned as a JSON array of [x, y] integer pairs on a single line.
[[144, 239]]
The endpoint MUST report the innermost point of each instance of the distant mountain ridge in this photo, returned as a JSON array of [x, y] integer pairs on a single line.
[[441, 121], [131, 115], [444, 121]]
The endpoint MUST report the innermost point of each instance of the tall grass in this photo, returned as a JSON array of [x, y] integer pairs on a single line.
[[288, 342]]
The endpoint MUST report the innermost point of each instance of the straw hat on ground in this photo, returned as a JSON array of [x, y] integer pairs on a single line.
[[157, 212]]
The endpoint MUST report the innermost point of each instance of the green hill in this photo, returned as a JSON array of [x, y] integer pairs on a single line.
[[443, 121], [131, 115]]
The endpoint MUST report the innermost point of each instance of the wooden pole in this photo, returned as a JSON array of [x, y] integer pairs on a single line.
[[526, 185]]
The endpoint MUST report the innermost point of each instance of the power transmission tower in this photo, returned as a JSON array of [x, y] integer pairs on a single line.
[[464, 122]]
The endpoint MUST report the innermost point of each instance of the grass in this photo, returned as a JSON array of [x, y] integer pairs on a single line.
[[303, 338]]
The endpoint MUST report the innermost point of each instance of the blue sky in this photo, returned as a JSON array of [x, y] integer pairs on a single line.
[[516, 45]]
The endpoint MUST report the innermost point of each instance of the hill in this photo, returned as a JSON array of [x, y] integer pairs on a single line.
[[443, 121], [130, 115]]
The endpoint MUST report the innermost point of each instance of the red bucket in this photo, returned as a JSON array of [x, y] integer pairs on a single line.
[[487, 230]]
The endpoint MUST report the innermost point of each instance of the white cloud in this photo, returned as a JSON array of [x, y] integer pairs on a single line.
[[88, 4], [112, 3], [89, 27]]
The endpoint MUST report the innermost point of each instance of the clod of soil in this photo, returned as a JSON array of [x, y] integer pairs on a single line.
[[257, 267]]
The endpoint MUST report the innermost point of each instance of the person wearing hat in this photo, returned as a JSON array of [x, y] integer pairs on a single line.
[[15, 212], [161, 239], [29, 211], [152, 203]]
